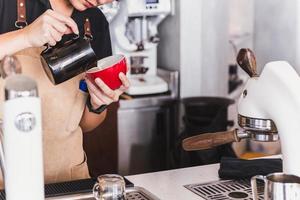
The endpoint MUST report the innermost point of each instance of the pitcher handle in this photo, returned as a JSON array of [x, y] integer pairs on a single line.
[[96, 191], [254, 186]]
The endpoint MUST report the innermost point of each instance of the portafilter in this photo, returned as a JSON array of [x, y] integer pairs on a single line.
[[263, 130]]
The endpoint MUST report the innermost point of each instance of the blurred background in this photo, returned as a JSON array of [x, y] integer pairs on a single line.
[[185, 80]]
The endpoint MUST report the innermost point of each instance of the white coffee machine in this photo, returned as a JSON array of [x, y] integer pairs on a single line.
[[134, 34]]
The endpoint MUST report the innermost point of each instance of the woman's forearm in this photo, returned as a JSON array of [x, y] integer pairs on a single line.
[[90, 121], [12, 42]]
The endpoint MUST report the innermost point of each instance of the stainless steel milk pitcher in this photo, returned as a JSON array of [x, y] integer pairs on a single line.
[[278, 186], [64, 62]]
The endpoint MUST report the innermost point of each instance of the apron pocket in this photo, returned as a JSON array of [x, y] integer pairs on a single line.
[[80, 171]]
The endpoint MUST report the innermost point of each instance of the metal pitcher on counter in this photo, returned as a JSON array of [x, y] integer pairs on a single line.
[[278, 186], [21, 142]]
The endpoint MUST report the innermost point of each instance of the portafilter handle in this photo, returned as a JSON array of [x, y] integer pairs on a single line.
[[211, 140]]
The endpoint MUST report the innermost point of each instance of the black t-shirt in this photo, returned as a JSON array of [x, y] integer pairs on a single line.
[[101, 42]]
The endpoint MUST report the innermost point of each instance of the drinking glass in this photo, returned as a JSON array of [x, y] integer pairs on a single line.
[[109, 187]]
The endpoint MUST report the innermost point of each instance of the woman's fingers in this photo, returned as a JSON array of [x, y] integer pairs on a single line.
[[50, 39], [48, 28], [106, 90], [56, 36], [93, 90], [99, 93], [95, 101], [103, 93], [64, 19], [58, 25], [124, 80]]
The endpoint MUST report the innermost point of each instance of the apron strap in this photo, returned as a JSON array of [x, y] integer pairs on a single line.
[[21, 9], [87, 29], [22, 20]]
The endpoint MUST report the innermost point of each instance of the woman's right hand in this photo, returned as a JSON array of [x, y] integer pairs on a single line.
[[49, 29]]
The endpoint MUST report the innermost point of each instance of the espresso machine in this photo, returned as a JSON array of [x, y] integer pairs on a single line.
[[269, 107], [134, 33]]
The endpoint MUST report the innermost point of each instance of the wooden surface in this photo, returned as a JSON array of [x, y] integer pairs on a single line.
[[101, 144]]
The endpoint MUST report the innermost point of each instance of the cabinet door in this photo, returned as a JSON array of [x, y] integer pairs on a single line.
[[143, 140]]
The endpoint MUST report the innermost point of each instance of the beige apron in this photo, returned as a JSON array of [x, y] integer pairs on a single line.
[[62, 109]]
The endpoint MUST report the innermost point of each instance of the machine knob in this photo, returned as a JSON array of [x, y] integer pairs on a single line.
[[246, 60]]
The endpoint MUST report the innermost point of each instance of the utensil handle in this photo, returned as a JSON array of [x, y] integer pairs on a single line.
[[210, 140], [254, 187], [96, 191]]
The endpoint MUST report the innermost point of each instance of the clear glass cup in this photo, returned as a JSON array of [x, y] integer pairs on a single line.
[[109, 187]]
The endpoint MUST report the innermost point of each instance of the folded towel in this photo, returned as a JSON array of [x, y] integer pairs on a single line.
[[234, 168]]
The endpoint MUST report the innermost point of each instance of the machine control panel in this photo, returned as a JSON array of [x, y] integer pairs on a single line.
[[148, 7], [151, 4]]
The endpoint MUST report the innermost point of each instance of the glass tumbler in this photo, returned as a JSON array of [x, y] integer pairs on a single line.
[[109, 187]]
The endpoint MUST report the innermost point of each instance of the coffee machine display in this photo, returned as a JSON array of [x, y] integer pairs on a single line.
[[134, 34]]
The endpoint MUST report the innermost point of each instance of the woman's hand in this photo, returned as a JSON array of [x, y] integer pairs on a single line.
[[101, 94], [49, 29]]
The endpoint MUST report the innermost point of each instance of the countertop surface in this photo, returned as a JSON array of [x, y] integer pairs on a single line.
[[169, 185]]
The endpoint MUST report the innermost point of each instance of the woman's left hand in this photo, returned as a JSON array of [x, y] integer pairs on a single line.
[[101, 94]]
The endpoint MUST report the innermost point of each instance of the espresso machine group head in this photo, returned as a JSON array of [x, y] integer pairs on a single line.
[[269, 107], [260, 129], [272, 101]]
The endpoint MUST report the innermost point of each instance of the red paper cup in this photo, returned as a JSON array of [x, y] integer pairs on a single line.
[[108, 70]]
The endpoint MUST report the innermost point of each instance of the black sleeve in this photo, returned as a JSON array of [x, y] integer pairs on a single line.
[[1, 8], [1, 15], [8, 13], [101, 42]]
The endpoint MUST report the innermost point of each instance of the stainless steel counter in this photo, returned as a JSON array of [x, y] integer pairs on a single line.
[[146, 127]]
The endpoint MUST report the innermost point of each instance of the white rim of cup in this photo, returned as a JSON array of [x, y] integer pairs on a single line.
[[106, 63]]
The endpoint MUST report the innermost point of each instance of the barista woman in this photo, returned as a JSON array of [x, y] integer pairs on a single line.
[[67, 112]]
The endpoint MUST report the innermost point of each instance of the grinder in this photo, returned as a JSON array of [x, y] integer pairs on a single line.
[[268, 107], [22, 153]]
